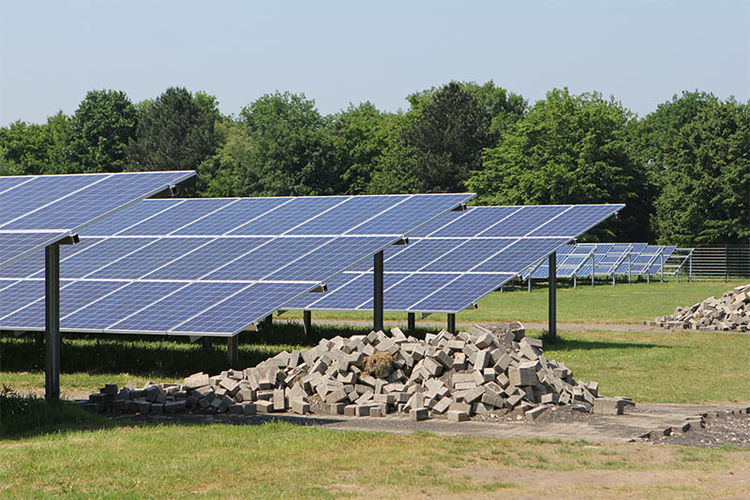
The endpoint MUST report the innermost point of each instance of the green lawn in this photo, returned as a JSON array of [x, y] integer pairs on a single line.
[[673, 367], [283, 461], [64, 451], [604, 303]]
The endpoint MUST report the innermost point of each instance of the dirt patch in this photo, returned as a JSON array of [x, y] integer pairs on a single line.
[[719, 430], [592, 483]]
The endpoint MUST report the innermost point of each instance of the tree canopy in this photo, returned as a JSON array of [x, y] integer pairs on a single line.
[[568, 149], [175, 132], [683, 170]]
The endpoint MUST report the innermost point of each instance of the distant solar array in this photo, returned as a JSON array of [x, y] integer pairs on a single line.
[[209, 266], [606, 260], [38, 210], [459, 258]]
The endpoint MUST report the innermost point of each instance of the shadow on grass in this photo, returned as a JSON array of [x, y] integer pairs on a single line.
[[164, 357], [559, 343], [23, 417]]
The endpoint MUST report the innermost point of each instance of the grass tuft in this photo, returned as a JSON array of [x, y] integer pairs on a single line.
[[20, 415]]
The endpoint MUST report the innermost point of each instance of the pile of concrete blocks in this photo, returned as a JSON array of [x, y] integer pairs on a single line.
[[480, 371], [730, 312]]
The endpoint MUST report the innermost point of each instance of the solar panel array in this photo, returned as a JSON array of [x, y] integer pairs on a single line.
[[461, 257], [609, 259], [38, 210], [209, 266]]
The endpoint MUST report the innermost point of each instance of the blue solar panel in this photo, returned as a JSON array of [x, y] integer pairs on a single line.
[[524, 221], [32, 208], [105, 252], [483, 246], [339, 254], [520, 254], [463, 290], [72, 296], [207, 258], [176, 217], [14, 246], [124, 302], [349, 214], [468, 255], [33, 195], [402, 295], [130, 216], [163, 315], [289, 215], [33, 265], [415, 255], [147, 258], [233, 215], [21, 293], [232, 315], [400, 219], [183, 266], [94, 201], [266, 259], [476, 220]]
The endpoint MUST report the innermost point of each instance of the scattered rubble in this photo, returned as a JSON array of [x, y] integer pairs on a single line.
[[476, 372], [730, 312]]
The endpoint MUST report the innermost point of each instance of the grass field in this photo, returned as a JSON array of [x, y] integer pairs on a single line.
[[283, 461], [66, 452], [604, 303]]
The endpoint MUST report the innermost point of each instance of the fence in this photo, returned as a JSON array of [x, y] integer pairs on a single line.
[[720, 262]]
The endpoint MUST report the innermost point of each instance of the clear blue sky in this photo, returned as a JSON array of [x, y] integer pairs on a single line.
[[642, 52]]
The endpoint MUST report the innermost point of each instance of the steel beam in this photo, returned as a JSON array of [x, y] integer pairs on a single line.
[[307, 322], [52, 323], [553, 296], [232, 348], [451, 323], [411, 321], [377, 295]]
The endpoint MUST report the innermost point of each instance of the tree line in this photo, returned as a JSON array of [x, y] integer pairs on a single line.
[[683, 170]]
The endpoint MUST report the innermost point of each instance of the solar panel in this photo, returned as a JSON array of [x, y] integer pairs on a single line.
[[460, 257], [211, 267], [609, 259], [37, 211]]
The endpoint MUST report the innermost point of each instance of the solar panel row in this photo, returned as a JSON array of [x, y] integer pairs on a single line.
[[210, 266], [36, 211], [605, 259], [461, 257]]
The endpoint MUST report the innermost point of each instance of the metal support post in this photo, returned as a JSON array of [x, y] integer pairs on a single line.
[[232, 345], [574, 281], [268, 321], [553, 296], [529, 281], [451, 323], [307, 322], [52, 323], [593, 268], [661, 260], [411, 321], [377, 295], [690, 267], [206, 341]]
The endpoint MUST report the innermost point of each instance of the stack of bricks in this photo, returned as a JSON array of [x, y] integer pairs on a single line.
[[730, 312], [480, 371]]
